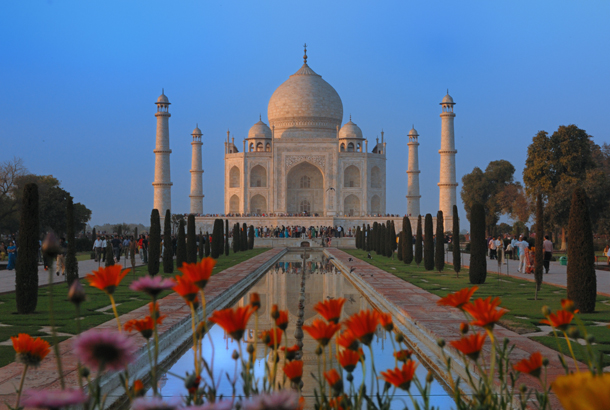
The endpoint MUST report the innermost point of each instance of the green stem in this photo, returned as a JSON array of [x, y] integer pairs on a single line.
[[53, 332], [571, 351], [116, 314], [493, 358], [78, 330], [25, 370]]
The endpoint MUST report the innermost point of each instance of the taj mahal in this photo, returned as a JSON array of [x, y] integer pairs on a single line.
[[305, 164]]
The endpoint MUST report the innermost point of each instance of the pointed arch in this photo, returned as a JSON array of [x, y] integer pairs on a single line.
[[234, 177]]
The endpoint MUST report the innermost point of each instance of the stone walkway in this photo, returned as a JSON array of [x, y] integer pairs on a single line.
[[7, 277], [558, 274], [172, 306], [420, 307]]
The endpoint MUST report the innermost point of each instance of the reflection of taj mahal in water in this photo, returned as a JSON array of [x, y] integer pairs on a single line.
[[305, 162]]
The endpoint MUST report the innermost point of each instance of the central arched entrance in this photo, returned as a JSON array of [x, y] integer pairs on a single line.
[[305, 189]]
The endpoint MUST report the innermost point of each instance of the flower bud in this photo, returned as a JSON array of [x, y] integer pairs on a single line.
[[255, 301], [429, 377], [50, 245], [464, 328], [399, 337], [235, 355], [76, 294], [319, 350], [84, 372], [590, 338], [250, 348], [545, 361], [275, 312], [546, 311], [201, 330], [523, 388], [573, 332], [441, 343], [349, 377]]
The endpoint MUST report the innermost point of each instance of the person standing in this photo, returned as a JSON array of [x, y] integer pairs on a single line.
[[116, 248], [126, 247], [523, 247], [492, 248], [104, 245], [97, 247], [547, 245], [61, 257], [144, 248], [12, 255]]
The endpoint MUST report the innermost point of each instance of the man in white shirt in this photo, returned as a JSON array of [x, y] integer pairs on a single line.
[[523, 246], [97, 247]]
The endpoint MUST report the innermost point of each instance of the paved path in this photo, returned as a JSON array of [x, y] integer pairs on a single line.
[[7, 277], [557, 273]]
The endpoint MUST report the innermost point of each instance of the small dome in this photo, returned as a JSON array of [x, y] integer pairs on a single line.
[[413, 132], [447, 99], [162, 99], [259, 130], [350, 130], [197, 131]]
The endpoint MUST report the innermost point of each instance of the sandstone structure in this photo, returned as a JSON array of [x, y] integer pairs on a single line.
[[162, 184], [196, 173], [447, 184], [413, 195]]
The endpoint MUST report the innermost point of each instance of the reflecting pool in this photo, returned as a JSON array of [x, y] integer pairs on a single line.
[[281, 285]]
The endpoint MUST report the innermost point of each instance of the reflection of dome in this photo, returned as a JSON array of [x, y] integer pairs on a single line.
[[305, 100], [350, 130], [259, 130], [447, 99]]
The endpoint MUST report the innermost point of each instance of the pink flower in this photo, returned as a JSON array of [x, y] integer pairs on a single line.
[[221, 405], [53, 399], [153, 285], [282, 400], [155, 403], [104, 349]]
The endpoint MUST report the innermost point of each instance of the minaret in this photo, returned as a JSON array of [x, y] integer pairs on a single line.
[[162, 184], [196, 173], [413, 173], [447, 184]]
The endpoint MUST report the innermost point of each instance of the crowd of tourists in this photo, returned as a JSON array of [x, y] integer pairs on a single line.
[[297, 231], [518, 248]]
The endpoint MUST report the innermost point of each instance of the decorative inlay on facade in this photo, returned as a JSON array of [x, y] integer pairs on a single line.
[[292, 160]]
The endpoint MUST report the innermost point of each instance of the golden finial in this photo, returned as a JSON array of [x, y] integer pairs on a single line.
[[305, 55]]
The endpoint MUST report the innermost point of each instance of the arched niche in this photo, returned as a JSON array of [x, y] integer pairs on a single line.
[[376, 204], [258, 176], [234, 177], [375, 177], [234, 204], [351, 206], [305, 182], [351, 177], [258, 204]]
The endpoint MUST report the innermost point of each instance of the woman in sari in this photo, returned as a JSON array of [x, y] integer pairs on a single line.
[[12, 256]]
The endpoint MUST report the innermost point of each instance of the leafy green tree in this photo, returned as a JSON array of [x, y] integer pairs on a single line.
[[407, 244], [71, 262], [478, 245], [538, 266], [582, 281], [418, 242], [439, 252], [154, 243], [191, 240], [457, 257], [26, 271], [428, 243], [168, 251], [181, 253], [10, 172]]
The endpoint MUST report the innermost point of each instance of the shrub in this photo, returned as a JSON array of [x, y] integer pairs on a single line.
[[457, 257], [582, 282], [168, 252], [191, 240], [71, 262], [418, 242], [181, 248], [428, 243], [439, 252], [26, 270], [478, 245]]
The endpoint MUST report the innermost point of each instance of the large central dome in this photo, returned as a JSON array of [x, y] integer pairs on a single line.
[[305, 106]]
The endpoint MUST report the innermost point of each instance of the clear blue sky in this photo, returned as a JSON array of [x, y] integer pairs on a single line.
[[80, 78]]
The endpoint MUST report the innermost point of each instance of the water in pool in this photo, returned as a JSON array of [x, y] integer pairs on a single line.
[[281, 285]]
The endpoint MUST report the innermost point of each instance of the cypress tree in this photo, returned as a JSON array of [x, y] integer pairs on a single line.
[[478, 245], [201, 246], [401, 239], [582, 282], [154, 243], [407, 244], [207, 244], [538, 263], [181, 248], [251, 237], [457, 257], [418, 242], [244, 238], [217, 242], [71, 262], [390, 240], [428, 243], [226, 237], [191, 240], [374, 237], [357, 237], [439, 253], [368, 237], [394, 243], [236, 238], [26, 270], [168, 252], [381, 239], [109, 255]]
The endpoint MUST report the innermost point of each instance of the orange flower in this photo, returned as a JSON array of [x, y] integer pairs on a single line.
[[233, 321], [348, 359], [138, 388], [322, 331], [107, 279], [334, 379], [470, 345], [401, 377], [531, 366], [282, 320], [363, 325], [484, 312], [301, 405], [403, 355], [275, 312], [30, 351], [347, 340], [385, 320], [294, 371], [336, 402], [290, 352], [330, 309], [198, 273], [568, 305], [559, 320], [185, 288], [144, 326], [272, 338], [458, 299], [255, 301], [154, 312]]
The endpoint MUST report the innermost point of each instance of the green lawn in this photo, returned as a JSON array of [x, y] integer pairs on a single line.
[[127, 300], [517, 295], [83, 256]]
